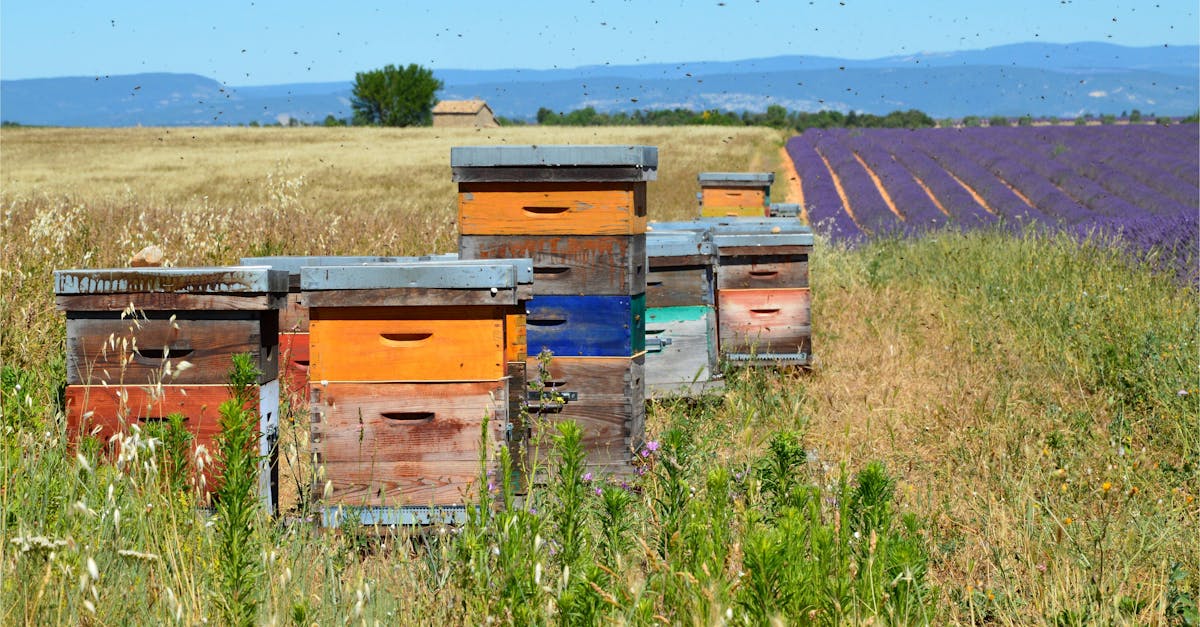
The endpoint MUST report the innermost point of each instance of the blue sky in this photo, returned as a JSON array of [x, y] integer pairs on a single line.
[[265, 42]]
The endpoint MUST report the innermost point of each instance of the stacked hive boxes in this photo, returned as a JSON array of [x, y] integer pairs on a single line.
[[728, 194], [293, 319], [407, 362], [580, 213], [130, 330], [763, 295], [681, 318]]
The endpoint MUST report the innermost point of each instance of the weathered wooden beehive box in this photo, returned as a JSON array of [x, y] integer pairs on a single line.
[[681, 320], [580, 213], [764, 302], [293, 319], [727, 194], [784, 210], [409, 362], [131, 330]]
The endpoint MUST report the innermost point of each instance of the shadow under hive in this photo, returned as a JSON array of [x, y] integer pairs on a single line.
[[730, 194], [579, 212], [129, 330], [408, 363], [681, 318]]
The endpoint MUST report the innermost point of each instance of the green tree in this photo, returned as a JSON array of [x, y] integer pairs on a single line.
[[394, 96]]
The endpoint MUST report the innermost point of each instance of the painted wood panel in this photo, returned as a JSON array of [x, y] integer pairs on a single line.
[[206, 340], [294, 316], [407, 343], [552, 208], [294, 354], [606, 397], [733, 201], [600, 265], [587, 326], [763, 271], [101, 412], [765, 321], [390, 444], [690, 357], [680, 286]]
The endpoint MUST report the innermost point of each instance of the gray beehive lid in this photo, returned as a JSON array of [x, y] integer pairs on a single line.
[[679, 243], [736, 179], [765, 240], [195, 280], [732, 226], [554, 163], [500, 274], [292, 264], [682, 225]]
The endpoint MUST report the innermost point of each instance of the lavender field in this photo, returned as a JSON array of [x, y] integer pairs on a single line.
[[1136, 184]]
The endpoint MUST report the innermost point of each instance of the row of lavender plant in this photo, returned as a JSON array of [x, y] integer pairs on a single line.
[[871, 212], [964, 210], [909, 198], [821, 198]]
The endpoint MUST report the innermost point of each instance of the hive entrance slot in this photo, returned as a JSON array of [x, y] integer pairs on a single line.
[[764, 274], [550, 270], [765, 311], [545, 322], [544, 211]]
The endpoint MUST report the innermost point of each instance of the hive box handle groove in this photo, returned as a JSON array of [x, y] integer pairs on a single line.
[[545, 322], [543, 211], [763, 274], [403, 339], [765, 311], [551, 270], [153, 356], [408, 417], [148, 419]]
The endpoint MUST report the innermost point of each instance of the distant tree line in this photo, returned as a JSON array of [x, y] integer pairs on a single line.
[[776, 116]]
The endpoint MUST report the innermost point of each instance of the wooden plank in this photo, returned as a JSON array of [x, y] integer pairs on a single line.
[[732, 179], [765, 321], [294, 317], [407, 343], [293, 263], [163, 301], [101, 412], [599, 265], [411, 422], [725, 241], [587, 326], [727, 211], [554, 156], [733, 198], [515, 338], [95, 353], [438, 276], [202, 280], [552, 209], [763, 272], [751, 251], [680, 286], [518, 174], [294, 354], [679, 244], [417, 297], [783, 210], [691, 355], [397, 484]]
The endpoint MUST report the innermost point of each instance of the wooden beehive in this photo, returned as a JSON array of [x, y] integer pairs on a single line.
[[408, 363], [129, 332], [552, 190], [735, 193], [681, 321], [293, 319]]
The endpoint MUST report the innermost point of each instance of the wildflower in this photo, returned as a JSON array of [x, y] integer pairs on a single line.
[[1182, 392], [598, 491], [652, 446], [587, 476], [1067, 520], [1106, 486], [1041, 568], [1133, 491]]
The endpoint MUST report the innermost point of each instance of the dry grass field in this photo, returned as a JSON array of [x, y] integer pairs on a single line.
[[1033, 399]]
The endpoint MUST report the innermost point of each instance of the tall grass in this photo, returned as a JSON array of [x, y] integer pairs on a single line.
[[998, 429]]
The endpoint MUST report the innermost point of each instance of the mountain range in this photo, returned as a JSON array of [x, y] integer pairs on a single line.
[[1039, 79]]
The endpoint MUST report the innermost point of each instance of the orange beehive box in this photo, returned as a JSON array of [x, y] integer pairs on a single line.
[[735, 193], [553, 190], [768, 321]]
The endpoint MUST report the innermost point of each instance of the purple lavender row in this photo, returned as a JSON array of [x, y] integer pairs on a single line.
[[955, 198], [920, 214], [942, 145], [1165, 156], [870, 211], [821, 199], [1022, 144], [1080, 157], [1169, 242]]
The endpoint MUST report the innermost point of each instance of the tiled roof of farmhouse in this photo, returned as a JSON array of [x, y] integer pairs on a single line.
[[459, 106]]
